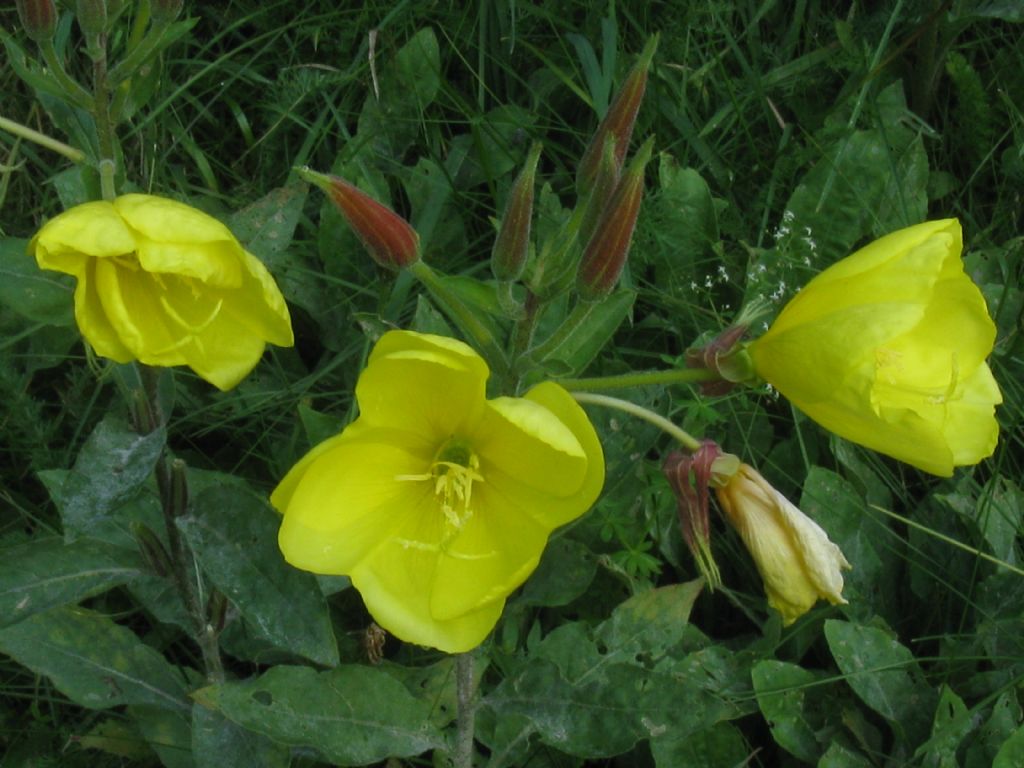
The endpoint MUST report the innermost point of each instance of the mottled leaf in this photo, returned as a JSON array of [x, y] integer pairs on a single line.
[[93, 661], [353, 715], [885, 675], [234, 537], [219, 743], [44, 573]]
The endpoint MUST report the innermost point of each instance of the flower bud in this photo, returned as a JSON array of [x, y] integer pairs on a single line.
[[618, 120], [38, 17], [92, 18], [508, 257], [601, 191], [389, 238], [153, 551], [690, 475], [165, 11], [605, 255], [797, 561]]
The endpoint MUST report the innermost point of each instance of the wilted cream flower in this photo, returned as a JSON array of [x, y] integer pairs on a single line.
[[796, 559]]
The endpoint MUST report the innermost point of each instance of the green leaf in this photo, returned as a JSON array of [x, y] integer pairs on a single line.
[[266, 227], [793, 707], [720, 746], [839, 756], [219, 743], [565, 571], [583, 335], [113, 465], [869, 182], [168, 732], [39, 295], [390, 119], [866, 541], [885, 675], [44, 573], [952, 725], [233, 535], [96, 663], [649, 623], [353, 715], [1011, 754]]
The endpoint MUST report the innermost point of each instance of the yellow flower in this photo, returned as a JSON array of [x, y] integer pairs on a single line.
[[165, 284], [797, 561], [436, 501], [887, 348]]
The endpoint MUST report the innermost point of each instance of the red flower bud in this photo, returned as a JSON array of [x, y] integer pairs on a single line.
[[618, 120], [508, 257], [390, 239], [691, 475], [38, 17], [605, 255]]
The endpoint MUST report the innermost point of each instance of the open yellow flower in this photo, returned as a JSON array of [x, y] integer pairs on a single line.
[[436, 501], [797, 561], [887, 348], [165, 284]]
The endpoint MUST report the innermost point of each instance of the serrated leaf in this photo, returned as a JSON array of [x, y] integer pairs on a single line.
[[885, 675], [44, 573], [96, 663], [233, 535], [353, 715], [219, 743], [39, 295], [112, 466]]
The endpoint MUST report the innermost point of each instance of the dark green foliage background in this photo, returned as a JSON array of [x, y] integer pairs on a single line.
[[787, 134]]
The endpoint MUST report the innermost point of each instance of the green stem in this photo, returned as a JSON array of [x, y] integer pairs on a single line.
[[688, 441], [172, 483], [74, 91], [522, 335], [466, 723], [24, 132], [464, 317], [104, 130], [641, 378]]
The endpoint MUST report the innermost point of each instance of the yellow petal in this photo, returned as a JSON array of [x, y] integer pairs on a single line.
[[89, 230], [92, 319], [495, 551], [350, 501], [428, 390], [523, 439], [258, 305], [395, 585], [560, 403]]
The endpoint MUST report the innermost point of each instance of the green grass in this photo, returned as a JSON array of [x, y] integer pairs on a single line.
[[799, 132]]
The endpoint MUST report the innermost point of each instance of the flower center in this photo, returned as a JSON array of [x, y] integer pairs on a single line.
[[454, 469]]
